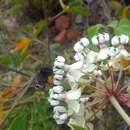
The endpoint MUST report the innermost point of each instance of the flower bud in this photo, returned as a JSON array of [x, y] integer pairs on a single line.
[[59, 64], [84, 41], [53, 102], [56, 96], [60, 59], [101, 38], [58, 72], [56, 82], [58, 77], [124, 39], [106, 36], [63, 116], [115, 41], [78, 47], [59, 109], [58, 89], [95, 40], [59, 122]]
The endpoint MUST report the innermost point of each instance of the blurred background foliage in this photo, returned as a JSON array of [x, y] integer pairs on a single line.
[[32, 34]]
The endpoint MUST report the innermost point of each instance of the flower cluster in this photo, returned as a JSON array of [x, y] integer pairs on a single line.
[[69, 104]]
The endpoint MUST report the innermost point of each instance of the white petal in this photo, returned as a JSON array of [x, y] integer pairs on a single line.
[[58, 64], [124, 39], [51, 91], [115, 41], [106, 36], [92, 57], [103, 54], [56, 82], [84, 41], [124, 53], [73, 106], [73, 94], [60, 109], [53, 102], [58, 89], [78, 47], [58, 77], [95, 40]]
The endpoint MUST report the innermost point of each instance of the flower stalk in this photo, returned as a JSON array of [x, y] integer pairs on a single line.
[[120, 110]]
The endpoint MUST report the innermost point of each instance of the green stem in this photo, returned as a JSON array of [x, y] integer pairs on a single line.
[[120, 109]]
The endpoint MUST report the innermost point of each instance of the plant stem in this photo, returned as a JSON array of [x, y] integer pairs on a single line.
[[120, 109]]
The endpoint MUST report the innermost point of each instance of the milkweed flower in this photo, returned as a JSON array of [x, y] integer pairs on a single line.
[[91, 70]]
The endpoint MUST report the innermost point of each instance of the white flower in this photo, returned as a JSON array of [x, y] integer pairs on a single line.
[[53, 102], [58, 89], [98, 73], [124, 39], [113, 51], [63, 116], [60, 59], [78, 47], [84, 99], [73, 94], [59, 122], [58, 77], [59, 64], [60, 109], [56, 96], [84, 41], [92, 57], [58, 71], [115, 40], [76, 57], [95, 40], [57, 82], [103, 54]]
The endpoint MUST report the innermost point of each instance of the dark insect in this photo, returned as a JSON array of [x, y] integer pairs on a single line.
[[45, 76]]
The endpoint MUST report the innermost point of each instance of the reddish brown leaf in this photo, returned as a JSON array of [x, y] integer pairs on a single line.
[[60, 37], [72, 34], [62, 22]]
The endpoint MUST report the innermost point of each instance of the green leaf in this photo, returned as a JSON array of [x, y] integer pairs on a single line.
[[19, 123], [77, 8], [121, 27], [94, 30]]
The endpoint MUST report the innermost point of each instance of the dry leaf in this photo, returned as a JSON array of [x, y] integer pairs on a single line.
[[60, 37], [72, 34], [62, 22]]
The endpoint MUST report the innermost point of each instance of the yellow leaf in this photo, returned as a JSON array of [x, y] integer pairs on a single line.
[[22, 43], [124, 62]]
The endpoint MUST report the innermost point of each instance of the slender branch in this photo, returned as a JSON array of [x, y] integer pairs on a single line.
[[120, 109]]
